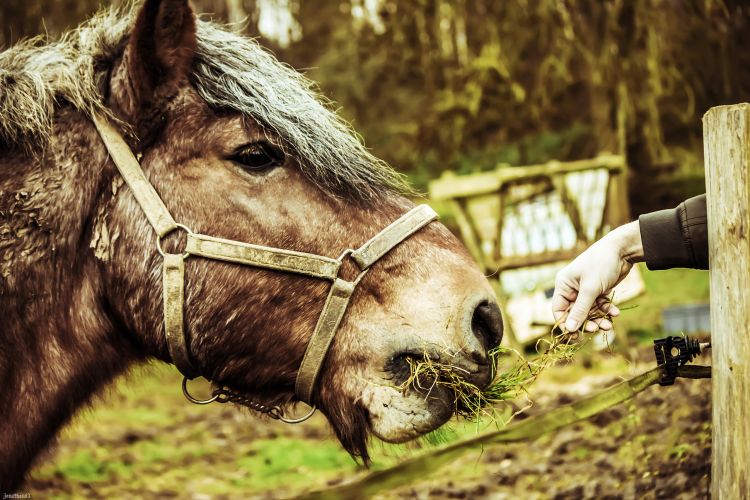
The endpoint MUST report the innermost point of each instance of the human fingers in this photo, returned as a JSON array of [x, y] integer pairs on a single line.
[[561, 302], [606, 306], [590, 326], [564, 295], [580, 310], [560, 309], [600, 313], [603, 323]]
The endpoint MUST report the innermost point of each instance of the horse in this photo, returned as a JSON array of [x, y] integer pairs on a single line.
[[238, 146]]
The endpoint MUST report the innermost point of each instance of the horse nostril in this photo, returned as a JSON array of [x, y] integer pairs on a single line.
[[487, 325]]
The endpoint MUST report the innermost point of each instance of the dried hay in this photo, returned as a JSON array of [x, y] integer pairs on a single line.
[[472, 402]]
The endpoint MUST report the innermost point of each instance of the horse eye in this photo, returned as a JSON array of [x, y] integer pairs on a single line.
[[258, 156]]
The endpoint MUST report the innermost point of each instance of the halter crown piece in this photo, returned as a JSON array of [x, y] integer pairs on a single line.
[[317, 266]]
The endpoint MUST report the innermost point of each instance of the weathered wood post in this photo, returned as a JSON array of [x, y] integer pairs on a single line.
[[726, 140]]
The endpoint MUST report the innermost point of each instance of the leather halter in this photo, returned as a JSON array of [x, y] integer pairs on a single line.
[[317, 266]]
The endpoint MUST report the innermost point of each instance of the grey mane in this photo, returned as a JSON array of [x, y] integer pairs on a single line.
[[230, 72]]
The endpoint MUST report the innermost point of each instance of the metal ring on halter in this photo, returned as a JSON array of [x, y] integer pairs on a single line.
[[296, 420], [194, 400], [345, 254], [159, 238], [361, 273]]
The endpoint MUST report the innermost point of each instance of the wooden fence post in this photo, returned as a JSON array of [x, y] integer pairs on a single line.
[[726, 141]]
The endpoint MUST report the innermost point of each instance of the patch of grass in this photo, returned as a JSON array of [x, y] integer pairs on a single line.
[[166, 450], [441, 435], [86, 467], [99, 465], [663, 289], [83, 466], [141, 417], [290, 462], [581, 453], [681, 450]]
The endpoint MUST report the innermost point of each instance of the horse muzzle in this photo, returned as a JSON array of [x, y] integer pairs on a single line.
[[475, 332]]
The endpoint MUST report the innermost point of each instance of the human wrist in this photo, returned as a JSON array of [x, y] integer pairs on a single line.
[[627, 239]]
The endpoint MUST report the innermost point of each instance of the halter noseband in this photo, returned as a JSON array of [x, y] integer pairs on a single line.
[[317, 266]]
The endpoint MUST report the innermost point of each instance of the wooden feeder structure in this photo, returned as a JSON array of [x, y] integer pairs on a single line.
[[537, 216]]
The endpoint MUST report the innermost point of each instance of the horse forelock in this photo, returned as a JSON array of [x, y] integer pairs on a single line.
[[230, 72]]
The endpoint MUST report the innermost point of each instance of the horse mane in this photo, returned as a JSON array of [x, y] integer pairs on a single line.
[[230, 72]]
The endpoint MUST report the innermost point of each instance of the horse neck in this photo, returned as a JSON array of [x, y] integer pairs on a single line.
[[57, 342]]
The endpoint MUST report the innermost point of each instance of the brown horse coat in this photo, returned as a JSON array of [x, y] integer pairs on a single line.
[[80, 290]]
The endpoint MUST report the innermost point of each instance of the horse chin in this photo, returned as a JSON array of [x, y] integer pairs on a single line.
[[396, 418], [381, 410]]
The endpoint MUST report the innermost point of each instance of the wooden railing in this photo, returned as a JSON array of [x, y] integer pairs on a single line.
[[481, 201]]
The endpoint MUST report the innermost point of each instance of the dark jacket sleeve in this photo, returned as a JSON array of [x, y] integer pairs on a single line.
[[677, 237]]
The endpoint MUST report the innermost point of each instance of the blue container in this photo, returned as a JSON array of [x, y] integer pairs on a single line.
[[686, 319]]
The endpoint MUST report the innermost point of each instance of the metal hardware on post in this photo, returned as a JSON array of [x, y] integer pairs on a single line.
[[674, 352]]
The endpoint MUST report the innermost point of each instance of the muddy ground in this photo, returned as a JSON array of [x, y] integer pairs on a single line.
[[144, 440], [657, 446]]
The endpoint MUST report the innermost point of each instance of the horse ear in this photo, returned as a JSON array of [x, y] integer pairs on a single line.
[[157, 59]]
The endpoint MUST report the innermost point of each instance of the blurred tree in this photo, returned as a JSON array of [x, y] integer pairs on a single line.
[[436, 84]]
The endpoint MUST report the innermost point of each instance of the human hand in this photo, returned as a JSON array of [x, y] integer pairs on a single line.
[[582, 287]]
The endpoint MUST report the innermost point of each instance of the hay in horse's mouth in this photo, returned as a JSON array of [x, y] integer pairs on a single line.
[[399, 367], [426, 374]]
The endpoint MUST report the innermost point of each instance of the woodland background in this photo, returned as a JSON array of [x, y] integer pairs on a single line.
[[438, 84]]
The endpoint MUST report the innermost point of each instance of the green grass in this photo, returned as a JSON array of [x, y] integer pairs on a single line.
[[681, 450], [272, 463], [663, 289], [83, 467]]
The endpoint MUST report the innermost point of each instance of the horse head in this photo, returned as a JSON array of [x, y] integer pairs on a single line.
[[240, 148]]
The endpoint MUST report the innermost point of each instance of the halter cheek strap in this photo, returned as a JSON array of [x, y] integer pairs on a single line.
[[316, 266]]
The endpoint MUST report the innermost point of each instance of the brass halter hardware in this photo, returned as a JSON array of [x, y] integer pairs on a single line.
[[317, 266]]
